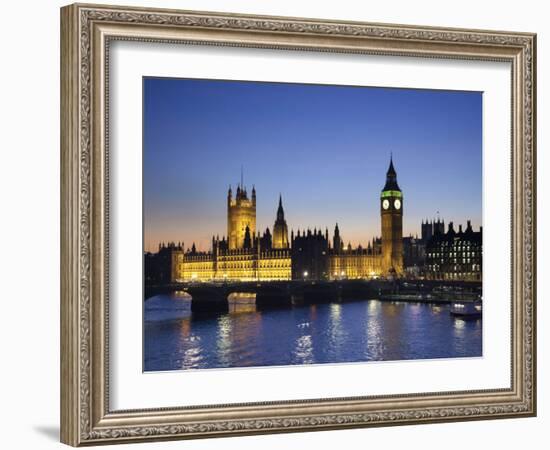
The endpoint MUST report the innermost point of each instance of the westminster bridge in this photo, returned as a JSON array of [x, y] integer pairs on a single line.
[[215, 296]]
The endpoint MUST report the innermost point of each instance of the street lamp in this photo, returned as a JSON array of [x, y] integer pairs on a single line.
[[305, 275]]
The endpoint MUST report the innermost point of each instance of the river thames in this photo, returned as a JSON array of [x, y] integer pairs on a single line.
[[363, 330]]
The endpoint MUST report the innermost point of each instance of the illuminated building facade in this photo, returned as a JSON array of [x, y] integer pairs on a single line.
[[244, 255], [241, 214], [359, 262], [455, 255], [247, 255]]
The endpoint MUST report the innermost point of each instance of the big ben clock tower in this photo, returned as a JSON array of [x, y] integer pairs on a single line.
[[391, 210]]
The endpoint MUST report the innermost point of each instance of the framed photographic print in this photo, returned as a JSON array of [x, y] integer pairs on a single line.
[[275, 224]]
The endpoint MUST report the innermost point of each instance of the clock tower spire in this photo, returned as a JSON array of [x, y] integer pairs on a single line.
[[391, 211]]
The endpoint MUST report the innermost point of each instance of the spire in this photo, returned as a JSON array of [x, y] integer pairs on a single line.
[[337, 243], [391, 169], [242, 177], [391, 178], [280, 211]]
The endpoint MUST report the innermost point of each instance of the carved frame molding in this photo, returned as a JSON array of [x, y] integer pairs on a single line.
[[86, 31]]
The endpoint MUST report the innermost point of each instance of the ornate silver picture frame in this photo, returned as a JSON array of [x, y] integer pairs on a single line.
[[87, 31]]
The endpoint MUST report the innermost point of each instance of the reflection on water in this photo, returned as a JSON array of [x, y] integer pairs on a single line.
[[223, 340], [242, 297], [236, 308], [367, 330], [303, 353], [241, 302]]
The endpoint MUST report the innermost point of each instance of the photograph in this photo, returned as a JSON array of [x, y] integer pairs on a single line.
[[294, 224]]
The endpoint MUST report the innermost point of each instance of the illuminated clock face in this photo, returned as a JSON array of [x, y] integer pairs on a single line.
[[397, 204], [386, 204]]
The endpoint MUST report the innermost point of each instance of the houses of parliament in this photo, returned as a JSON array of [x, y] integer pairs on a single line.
[[245, 254]]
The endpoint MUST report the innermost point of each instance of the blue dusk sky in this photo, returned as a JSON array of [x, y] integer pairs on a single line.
[[325, 149]]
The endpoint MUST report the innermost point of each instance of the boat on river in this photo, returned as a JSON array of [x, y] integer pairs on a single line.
[[466, 310]]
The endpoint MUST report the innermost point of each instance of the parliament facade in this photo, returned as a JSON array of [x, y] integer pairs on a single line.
[[245, 254]]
